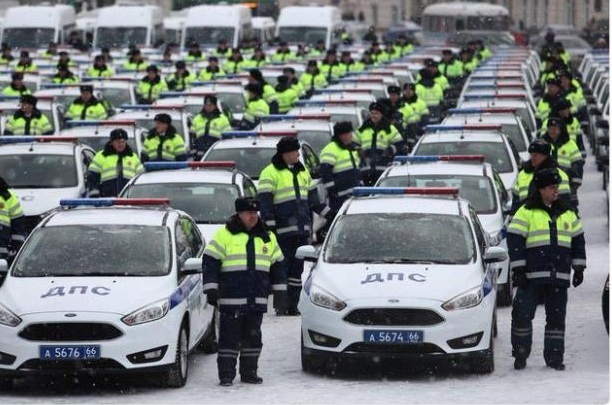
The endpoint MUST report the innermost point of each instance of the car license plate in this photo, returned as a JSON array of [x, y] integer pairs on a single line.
[[77, 352], [393, 336]]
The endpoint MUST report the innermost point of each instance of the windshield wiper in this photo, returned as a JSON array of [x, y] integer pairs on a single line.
[[409, 261], [34, 186]]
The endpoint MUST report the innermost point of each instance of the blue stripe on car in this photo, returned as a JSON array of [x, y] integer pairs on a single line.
[[183, 290]]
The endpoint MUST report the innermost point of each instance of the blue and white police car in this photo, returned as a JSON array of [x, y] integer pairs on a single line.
[[106, 286], [401, 277]]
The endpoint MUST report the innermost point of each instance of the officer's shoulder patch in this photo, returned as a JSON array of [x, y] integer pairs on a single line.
[[1, 205], [264, 249], [565, 226]]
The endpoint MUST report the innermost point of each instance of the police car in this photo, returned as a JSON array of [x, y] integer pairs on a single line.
[[42, 170], [204, 190], [46, 105], [143, 115], [401, 277], [338, 110], [362, 97], [477, 181], [106, 289], [487, 140], [314, 129]]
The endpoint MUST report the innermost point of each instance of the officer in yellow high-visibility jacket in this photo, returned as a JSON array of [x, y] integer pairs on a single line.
[[16, 88], [100, 68], [181, 79], [12, 226], [112, 168], [86, 107], [285, 93], [28, 120], [545, 242], [163, 143], [256, 107], [242, 265], [151, 86], [207, 126]]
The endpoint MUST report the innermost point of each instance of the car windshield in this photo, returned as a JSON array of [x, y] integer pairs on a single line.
[[478, 190], [39, 171], [98, 143], [494, 152], [112, 250], [400, 238], [235, 102], [207, 203], [27, 37], [249, 160], [120, 37], [308, 35], [316, 139], [116, 97], [209, 35]]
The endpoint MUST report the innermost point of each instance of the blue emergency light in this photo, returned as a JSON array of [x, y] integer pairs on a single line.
[[109, 202], [481, 110], [7, 139], [97, 123], [149, 166], [295, 117], [439, 158], [472, 127], [365, 191]]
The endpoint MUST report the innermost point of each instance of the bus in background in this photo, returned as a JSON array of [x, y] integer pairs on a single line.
[[263, 29], [121, 26], [209, 24], [36, 26], [309, 24], [173, 26], [444, 20]]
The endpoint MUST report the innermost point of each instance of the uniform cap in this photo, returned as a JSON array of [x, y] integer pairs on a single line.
[[163, 117], [247, 204], [343, 127], [287, 144], [210, 99], [28, 99], [553, 81], [254, 88], [312, 62], [539, 146], [546, 177], [24, 54], [118, 133], [289, 70], [180, 64], [282, 79], [410, 86], [213, 59], [562, 104], [376, 106], [17, 76], [152, 68], [86, 87], [555, 121], [430, 63], [99, 58], [394, 89], [447, 52]]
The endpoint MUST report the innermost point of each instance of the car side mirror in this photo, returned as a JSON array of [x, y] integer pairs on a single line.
[[495, 254], [507, 207], [308, 253], [193, 265]]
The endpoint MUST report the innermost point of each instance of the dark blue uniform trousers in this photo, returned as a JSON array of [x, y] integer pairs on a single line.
[[523, 310], [294, 266], [239, 333]]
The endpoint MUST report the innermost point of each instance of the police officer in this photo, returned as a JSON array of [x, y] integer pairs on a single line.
[[181, 79], [451, 67], [545, 241], [242, 264], [312, 79], [112, 168], [380, 141], [100, 68], [288, 198], [256, 107], [163, 143], [539, 159], [212, 70], [194, 54], [340, 165], [349, 64], [86, 107], [548, 100], [135, 62], [414, 112], [284, 54], [64, 75], [25, 63], [28, 120], [268, 93], [208, 126], [12, 229], [16, 88], [429, 90], [150, 86], [330, 67], [286, 94], [393, 105], [235, 63]]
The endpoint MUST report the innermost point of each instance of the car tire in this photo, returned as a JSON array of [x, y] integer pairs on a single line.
[[311, 363], [208, 344], [486, 363], [504, 292], [176, 375]]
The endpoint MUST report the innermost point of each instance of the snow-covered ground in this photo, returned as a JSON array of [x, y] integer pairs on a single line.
[[586, 379]]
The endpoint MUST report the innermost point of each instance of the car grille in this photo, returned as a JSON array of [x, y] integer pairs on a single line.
[[70, 365], [399, 349], [70, 332], [393, 317]]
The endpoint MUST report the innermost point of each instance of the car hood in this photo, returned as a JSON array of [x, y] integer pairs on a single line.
[[119, 295], [415, 281], [35, 201]]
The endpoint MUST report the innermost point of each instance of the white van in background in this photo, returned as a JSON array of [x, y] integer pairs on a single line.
[[309, 24], [36, 26], [263, 29], [208, 24], [120, 26], [173, 26]]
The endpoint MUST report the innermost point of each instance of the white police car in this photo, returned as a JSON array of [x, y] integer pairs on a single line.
[[477, 181], [316, 129], [401, 277], [106, 289], [204, 190], [42, 170]]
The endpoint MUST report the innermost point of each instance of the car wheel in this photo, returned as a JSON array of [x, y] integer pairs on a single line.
[[486, 363], [209, 341], [176, 376], [311, 363], [504, 293]]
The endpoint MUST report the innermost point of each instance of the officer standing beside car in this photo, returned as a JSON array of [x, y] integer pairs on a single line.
[[12, 230], [288, 198], [112, 168], [241, 265], [545, 241], [163, 143]]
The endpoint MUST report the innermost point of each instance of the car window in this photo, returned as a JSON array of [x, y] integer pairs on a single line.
[[480, 238], [184, 249], [495, 153], [311, 161], [248, 187]]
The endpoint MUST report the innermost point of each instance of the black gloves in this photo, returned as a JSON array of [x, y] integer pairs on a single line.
[[519, 279], [329, 217], [280, 300], [212, 296], [578, 277]]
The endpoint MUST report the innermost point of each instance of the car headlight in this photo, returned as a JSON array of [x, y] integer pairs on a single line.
[[151, 312], [468, 299], [322, 298], [8, 318]]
